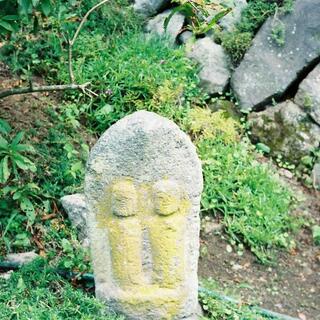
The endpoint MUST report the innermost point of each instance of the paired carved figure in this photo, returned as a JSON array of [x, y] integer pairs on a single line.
[[145, 215]]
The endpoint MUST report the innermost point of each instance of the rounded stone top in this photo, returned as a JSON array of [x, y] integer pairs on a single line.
[[144, 147]]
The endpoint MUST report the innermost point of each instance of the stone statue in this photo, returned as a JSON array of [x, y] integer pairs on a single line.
[[143, 187]]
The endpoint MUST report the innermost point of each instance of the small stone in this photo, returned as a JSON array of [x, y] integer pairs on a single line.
[[286, 173], [308, 95], [237, 267], [149, 8], [215, 73], [76, 209], [211, 227], [156, 25], [316, 175], [185, 37], [21, 258], [6, 275]]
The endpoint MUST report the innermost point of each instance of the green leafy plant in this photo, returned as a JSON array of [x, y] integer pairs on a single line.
[[253, 203], [316, 234], [13, 154], [14, 13], [38, 292], [202, 14], [278, 33]]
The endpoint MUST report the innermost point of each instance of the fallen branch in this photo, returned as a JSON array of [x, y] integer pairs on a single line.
[[32, 88], [72, 85]]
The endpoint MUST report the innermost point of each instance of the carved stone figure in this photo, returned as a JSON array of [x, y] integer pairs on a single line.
[[143, 187]]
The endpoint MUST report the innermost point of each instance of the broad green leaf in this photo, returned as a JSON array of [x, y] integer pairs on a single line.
[[186, 9], [17, 195], [25, 6], [10, 18], [17, 138], [215, 19], [4, 170], [6, 25], [4, 127], [25, 148], [24, 163], [3, 143], [46, 7], [35, 2]]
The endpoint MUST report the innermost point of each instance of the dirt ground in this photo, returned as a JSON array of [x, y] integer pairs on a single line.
[[290, 286]]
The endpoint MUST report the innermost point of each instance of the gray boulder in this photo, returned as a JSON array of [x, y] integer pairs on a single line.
[[286, 129], [156, 25], [149, 8], [229, 21], [308, 95], [215, 73], [185, 37], [76, 209], [281, 50]]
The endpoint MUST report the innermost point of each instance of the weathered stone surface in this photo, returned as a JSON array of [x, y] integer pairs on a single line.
[[143, 185], [229, 21], [185, 36], [316, 175], [214, 73], [268, 69], [149, 8], [308, 95], [21, 258], [286, 130], [156, 25], [76, 209]]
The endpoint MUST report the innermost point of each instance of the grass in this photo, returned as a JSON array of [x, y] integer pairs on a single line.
[[252, 201], [36, 292], [218, 306]]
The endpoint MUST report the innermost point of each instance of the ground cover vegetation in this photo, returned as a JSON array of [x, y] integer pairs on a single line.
[[237, 41], [47, 161]]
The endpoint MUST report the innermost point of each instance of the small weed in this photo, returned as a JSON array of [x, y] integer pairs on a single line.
[[278, 33], [218, 307]]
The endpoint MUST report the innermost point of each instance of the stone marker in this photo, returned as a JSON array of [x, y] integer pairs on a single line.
[[143, 185]]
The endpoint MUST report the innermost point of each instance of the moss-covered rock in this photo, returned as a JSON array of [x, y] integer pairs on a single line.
[[286, 129]]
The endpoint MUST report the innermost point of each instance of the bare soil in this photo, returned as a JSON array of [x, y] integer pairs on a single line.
[[289, 286]]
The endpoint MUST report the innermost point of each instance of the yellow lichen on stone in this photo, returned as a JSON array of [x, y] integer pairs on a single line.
[[125, 238], [160, 209]]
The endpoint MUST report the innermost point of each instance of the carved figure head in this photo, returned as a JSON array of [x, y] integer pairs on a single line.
[[124, 199], [167, 197]]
